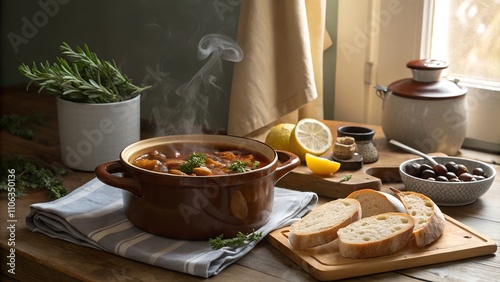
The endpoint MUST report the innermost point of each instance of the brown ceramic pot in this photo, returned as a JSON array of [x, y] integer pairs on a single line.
[[197, 207]]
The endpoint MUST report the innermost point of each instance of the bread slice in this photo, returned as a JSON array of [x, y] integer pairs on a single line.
[[376, 202], [321, 224], [429, 220], [375, 236]]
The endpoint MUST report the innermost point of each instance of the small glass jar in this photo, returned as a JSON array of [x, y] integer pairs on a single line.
[[364, 141]]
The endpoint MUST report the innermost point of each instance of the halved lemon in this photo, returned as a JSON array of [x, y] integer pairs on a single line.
[[322, 166], [310, 136]]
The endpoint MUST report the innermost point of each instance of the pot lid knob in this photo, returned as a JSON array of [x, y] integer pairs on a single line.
[[426, 70], [427, 64]]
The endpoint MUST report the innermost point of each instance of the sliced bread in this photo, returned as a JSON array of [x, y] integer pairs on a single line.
[[429, 220], [375, 236], [321, 224], [376, 202]]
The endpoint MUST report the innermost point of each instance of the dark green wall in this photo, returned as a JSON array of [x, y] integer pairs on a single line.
[[153, 41]]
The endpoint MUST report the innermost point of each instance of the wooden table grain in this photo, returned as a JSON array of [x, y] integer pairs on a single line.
[[41, 258]]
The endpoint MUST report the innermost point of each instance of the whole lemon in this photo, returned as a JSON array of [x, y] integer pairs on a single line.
[[279, 136]]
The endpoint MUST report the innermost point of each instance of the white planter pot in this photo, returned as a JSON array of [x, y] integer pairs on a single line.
[[91, 134]]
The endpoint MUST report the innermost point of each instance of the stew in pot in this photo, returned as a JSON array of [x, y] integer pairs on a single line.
[[205, 163]]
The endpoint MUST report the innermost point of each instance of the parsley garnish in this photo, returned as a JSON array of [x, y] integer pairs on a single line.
[[237, 241], [238, 166], [194, 160], [255, 164]]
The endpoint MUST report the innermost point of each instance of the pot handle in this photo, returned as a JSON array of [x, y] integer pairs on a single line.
[[381, 91], [288, 161], [104, 173]]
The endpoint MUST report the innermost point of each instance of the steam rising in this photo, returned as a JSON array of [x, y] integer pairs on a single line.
[[190, 114]]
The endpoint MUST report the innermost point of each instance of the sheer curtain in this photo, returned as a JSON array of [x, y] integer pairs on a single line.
[[280, 78]]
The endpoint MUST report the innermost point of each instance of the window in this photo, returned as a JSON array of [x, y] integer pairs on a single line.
[[465, 34]]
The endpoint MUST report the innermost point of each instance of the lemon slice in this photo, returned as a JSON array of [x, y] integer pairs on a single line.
[[279, 136], [310, 136], [322, 166]]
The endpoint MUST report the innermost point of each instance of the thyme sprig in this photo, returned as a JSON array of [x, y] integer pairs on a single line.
[[80, 76], [237, 241], [32, 174], [17, 125]]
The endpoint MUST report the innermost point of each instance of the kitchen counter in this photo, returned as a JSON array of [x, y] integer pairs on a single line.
[[41, 258]]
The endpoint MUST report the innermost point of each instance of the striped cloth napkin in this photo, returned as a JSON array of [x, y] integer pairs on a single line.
[[93, 216]]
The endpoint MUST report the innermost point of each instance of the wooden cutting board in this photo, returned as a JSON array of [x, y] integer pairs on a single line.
[[385, 170], [325, 263]]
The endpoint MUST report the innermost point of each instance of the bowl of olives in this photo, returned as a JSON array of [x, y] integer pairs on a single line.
[[452, 182]]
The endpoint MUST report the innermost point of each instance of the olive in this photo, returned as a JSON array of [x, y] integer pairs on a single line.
[[450, 175], [413, 169], [442, 178], [478, 171], [451, 166], [425, 167], [449, 172], [461, 169], [466, 176], [428, 173], [440, 169]]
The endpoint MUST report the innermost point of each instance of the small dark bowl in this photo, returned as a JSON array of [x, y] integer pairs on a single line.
[[357, 132]]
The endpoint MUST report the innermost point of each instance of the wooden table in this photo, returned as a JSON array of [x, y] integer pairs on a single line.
[[41, 258]]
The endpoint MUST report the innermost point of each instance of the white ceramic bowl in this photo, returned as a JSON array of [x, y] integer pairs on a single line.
[[449, 193]]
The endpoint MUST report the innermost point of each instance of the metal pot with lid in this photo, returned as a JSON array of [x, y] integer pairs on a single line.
[[425, 112]]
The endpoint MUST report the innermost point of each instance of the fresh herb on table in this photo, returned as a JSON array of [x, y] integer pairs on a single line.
[[237, 241], [32, 175], [346, 177], [17, 125], [194, 160]]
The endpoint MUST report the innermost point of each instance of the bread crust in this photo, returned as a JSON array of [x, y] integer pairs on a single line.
[[317, 228], [433, 227], [352, 247], [376, 202]]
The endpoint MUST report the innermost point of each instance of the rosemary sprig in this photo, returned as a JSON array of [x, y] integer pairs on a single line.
[[237, 241], [80, 76]]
